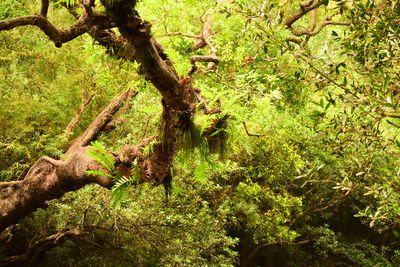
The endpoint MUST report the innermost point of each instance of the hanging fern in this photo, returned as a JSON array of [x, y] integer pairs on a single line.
[[68, 2]]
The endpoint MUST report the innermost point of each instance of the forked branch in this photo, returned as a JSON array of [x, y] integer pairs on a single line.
[[306, 7]]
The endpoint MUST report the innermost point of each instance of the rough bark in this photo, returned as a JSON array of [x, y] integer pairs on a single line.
[[47, 179]]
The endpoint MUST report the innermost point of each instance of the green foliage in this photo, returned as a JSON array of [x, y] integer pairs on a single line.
[[190, 136], [10, 9], [312, 180], [100, 154], [68, 2]]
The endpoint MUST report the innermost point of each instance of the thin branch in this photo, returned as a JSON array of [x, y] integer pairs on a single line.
[[83, 25], [276, 243], [75, 119], [310, 5], [295, 40], [309, 63], [211, 58], [205, 33], [306, 3], [118, 120], [182, 34], [393, 124], [305, 7], [384, 114], [205, 40], [99, 123], [250, 134], [44, 8], [312, 31]]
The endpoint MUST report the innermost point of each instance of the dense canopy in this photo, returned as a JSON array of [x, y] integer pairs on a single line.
[[199, 133]]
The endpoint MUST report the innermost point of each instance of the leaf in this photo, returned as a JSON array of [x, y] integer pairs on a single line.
[[199, 172]]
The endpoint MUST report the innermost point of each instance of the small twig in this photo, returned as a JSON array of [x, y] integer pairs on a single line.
[[250, 134], [393, 124], [383, 114], [181, 34]]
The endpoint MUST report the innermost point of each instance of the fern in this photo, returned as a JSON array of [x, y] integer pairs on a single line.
[[100, 154], [121, 183], [119, 189]]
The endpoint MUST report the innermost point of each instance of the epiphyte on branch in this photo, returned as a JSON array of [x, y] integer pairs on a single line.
[[119, 7]]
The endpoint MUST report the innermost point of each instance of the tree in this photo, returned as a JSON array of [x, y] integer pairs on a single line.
[[280, 196], [50, 178]]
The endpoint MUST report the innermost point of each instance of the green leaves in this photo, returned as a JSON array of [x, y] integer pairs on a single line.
[[100, 154], [121, 183], [68, 2]]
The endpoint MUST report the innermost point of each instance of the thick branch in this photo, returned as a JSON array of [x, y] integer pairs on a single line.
[[101, 121], [47, 179]]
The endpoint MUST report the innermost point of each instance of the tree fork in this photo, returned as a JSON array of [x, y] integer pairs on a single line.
[[48, 178]]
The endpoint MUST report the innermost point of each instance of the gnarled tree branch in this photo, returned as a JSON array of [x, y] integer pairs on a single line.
[[83, 25], [48, 178], [305, 7]]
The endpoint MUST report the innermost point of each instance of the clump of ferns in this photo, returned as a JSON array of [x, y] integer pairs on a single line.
[[120, 182], [216, 135], [189, 138], [208, 136]]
